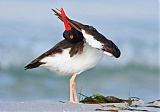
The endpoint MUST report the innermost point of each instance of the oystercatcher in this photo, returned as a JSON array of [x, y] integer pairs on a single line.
[[82, 48]]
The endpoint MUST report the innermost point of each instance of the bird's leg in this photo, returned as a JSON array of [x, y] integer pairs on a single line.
[[73, 94]]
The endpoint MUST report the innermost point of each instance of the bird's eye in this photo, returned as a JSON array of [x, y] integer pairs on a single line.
[[71, 36]]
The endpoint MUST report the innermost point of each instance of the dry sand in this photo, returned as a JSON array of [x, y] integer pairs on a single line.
[[68, 107]]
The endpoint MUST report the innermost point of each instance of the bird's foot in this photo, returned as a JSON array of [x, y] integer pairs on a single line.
[[75, 102]]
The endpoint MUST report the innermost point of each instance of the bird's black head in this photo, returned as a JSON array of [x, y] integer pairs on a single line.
[[73, 35]]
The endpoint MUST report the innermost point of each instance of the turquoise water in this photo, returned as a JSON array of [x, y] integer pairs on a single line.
[[42, 85], [27, 29]]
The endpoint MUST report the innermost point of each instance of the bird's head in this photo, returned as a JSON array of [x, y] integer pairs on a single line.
[[70, 34]]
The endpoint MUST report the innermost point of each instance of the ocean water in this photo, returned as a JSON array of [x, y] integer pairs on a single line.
[[29, 28]]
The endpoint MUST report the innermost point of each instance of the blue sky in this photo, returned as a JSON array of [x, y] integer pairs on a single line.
[[84, 10]]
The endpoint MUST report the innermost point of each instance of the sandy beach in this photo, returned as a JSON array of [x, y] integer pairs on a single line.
[[29, 28], [69, 107]]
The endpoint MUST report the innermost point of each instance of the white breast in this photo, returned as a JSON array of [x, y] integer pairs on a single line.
[[66, 65]]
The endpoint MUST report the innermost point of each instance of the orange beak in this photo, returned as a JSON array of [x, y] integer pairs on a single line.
[[64, 18]]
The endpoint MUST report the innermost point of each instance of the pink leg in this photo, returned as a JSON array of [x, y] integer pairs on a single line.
[[73, 94]]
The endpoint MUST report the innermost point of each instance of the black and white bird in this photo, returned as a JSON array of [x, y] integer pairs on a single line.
[[82, 48]]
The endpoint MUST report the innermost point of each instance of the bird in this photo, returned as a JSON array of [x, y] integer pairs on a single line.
[[81, 49]]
